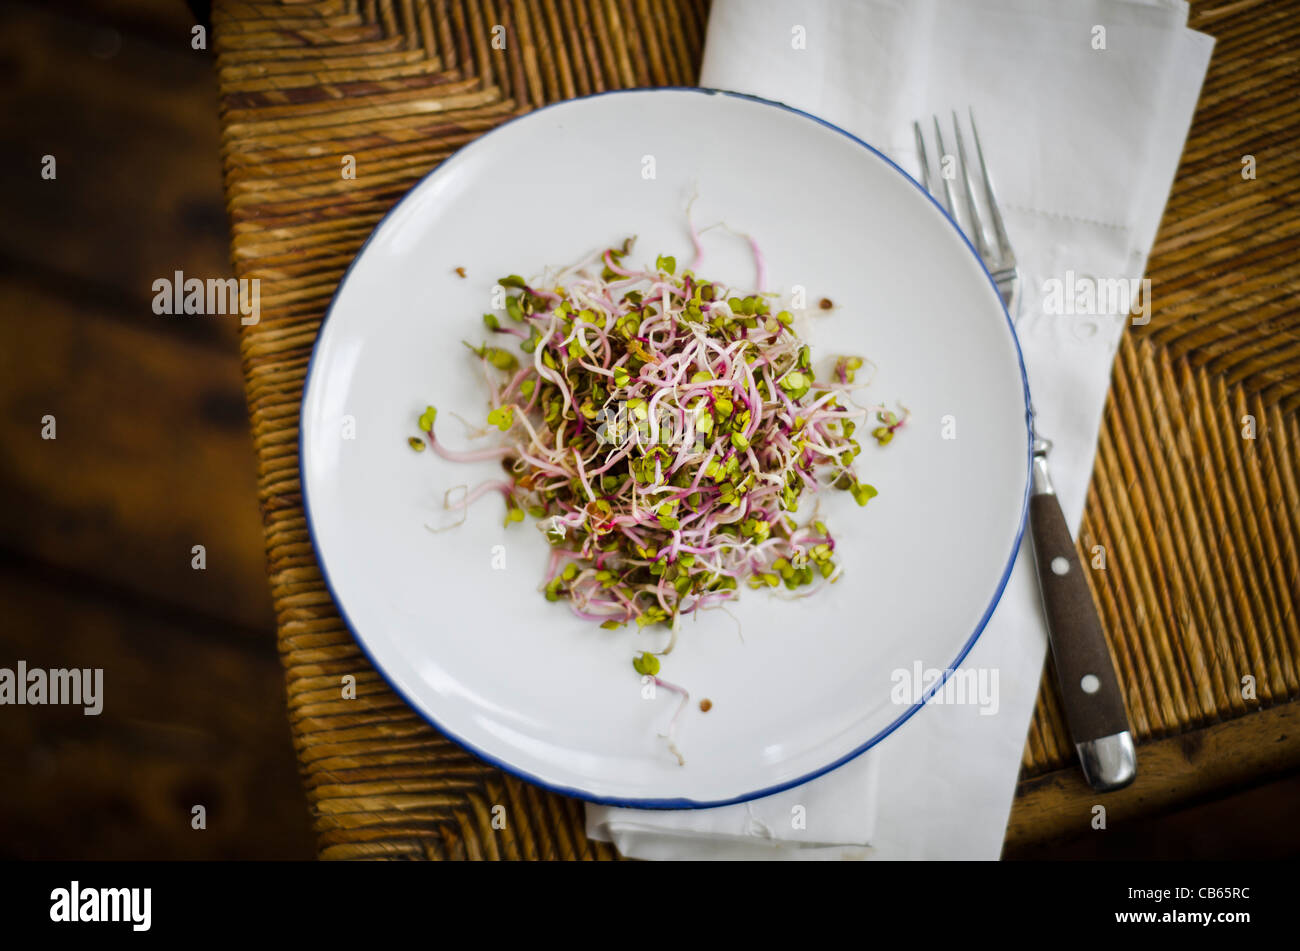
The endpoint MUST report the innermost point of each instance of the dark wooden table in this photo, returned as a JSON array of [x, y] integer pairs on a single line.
[[152, 456]]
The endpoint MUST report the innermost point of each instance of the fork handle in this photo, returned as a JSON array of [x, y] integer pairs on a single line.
[[1090, 691]]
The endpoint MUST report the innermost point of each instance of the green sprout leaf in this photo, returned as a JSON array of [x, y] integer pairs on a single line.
[[863, 493], [427, 418], [501, 359]]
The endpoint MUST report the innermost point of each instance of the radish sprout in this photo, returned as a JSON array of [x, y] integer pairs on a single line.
[[663, 429]]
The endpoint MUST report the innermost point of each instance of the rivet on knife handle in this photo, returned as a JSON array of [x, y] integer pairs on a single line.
[[1094, 706]]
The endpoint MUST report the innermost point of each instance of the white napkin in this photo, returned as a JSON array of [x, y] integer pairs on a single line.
[[1083, 143], [831, 817]]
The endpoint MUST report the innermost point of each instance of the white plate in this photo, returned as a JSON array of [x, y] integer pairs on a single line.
[[523, 682]]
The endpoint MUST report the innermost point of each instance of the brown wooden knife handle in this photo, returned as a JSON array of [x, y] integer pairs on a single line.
[[1090, 691]]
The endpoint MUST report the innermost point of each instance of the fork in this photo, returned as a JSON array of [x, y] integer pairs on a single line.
[[1090, 691]]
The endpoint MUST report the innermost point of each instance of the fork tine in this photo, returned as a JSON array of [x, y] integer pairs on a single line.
[[925, 159], [968, 187], [1004, 246], [947, 183]]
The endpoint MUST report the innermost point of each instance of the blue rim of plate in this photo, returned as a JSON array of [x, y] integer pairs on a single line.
[[668, 803]]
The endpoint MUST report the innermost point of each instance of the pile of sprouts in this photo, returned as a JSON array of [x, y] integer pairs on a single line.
[[663, 430]]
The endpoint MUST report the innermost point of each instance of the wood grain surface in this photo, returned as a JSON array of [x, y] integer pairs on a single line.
[[152, 456]]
